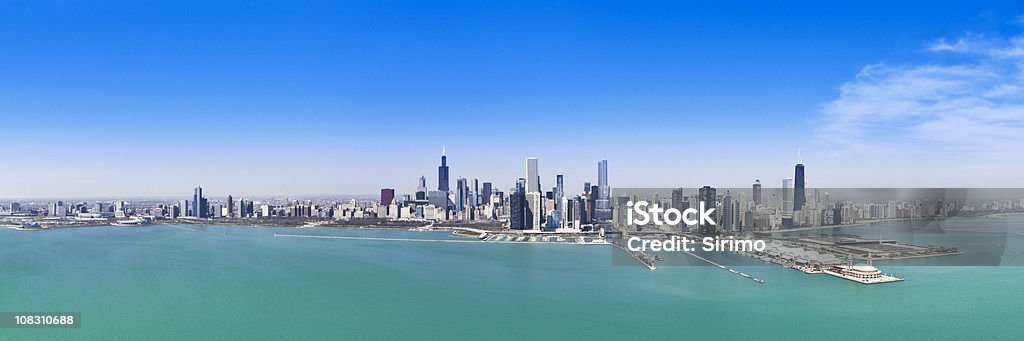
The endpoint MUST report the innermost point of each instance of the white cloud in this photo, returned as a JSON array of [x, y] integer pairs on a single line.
[[975, 105], [974, 44], [969, 43]]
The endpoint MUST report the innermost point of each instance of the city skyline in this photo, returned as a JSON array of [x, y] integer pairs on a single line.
[[330, 102], [537, 170]]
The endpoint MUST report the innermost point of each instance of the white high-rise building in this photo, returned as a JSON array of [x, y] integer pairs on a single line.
[[535, 209]]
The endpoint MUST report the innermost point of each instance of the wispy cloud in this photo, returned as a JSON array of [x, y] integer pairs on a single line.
[[973, 105], [973, 44]]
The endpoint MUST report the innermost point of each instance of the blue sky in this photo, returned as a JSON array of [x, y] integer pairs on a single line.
[[143, 98]]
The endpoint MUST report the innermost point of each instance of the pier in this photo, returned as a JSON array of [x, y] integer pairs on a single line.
[[720, 266], [641, 257]]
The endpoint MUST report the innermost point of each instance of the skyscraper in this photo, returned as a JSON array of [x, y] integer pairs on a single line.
[[532, 178], [709, 199], [517, 206], [486, 193], [421, 189], [603, 204], [677, 199], [231, 207], [58, 209], [757, 192], [442, 173], [387, 195], [460, 194], [534, 213], [560, 209], [591, 202], [244, 208], [741, 211], [729, 214], [198, 203], [787, 195], [474, 196], [473, 199], [787, 202], [799, 196]]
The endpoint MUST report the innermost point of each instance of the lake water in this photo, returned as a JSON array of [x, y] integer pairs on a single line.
[[163, 282]]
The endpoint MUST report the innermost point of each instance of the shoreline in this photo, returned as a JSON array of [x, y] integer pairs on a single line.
[[460, 231]]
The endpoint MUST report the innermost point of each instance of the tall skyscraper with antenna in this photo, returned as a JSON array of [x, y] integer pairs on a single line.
[[442, 173], [799, 195]]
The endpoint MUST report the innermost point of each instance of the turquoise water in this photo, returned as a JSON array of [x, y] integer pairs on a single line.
[[160, 282]]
